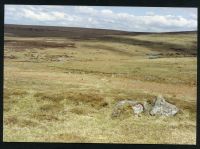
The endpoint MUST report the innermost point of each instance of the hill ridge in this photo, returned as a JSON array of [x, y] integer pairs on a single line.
[[71, 32]]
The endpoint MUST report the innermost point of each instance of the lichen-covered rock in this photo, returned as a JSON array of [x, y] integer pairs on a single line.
[[158, 107], [138, 108], [120, 106], [147, 107], [162, 107]]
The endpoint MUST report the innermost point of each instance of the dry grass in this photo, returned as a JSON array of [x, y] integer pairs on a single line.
[[72, 100]]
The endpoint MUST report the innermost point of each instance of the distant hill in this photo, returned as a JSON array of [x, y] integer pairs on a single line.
[[181, 43], [68, 32], [53, 31]]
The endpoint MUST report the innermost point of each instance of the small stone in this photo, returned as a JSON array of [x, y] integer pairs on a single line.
[[138, 108]]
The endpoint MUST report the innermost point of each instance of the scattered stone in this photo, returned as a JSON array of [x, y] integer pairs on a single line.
[[153, 57], [158, 107], [138, 108], [162, 107], [118, 109]]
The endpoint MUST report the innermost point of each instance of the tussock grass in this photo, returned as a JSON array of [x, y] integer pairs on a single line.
[[49, 97], [14, 92], [45, 117], [8, 97], [50, 108], [10, 120], [185, 105], [13, 120], [78, 98], [82, 110], [67, 137], [19, 93], [93, 100], [127, 94]]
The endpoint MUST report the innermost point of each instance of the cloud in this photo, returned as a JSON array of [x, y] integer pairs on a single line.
[[150, 13], [10, 9], [41, 16], [101, 17], [85, 9], [193, 16], [59, 15], [106, 12], [32, 13]]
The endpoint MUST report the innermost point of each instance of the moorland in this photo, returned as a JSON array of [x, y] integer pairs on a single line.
[[61, 84]]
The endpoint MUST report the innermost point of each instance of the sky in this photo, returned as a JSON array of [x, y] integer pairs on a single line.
[[135, 19]]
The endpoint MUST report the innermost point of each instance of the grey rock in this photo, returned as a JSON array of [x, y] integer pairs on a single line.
[[162, 107], [147, 107], [158, 107], [136, 107]]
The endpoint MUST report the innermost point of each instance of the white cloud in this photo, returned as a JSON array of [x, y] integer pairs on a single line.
[[150, 13], [193, 15], [85, 9], [124, 15], [59, 15], [41, 16], [85, 16], [106, 11], [44, 15]]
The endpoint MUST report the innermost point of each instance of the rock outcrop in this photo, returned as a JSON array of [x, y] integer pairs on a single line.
[[159, 107], [162, 107]]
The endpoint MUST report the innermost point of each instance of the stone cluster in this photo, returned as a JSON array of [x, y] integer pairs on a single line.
[[159, 107]]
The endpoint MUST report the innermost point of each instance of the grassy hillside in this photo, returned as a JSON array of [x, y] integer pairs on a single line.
[[61, 87]]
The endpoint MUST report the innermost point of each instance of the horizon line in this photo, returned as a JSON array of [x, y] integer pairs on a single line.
[[100, 28]]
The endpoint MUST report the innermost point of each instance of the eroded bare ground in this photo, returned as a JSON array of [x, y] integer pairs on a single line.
[[63, 90]]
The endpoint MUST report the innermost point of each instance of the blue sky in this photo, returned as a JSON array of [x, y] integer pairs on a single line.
[[140, 19]]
